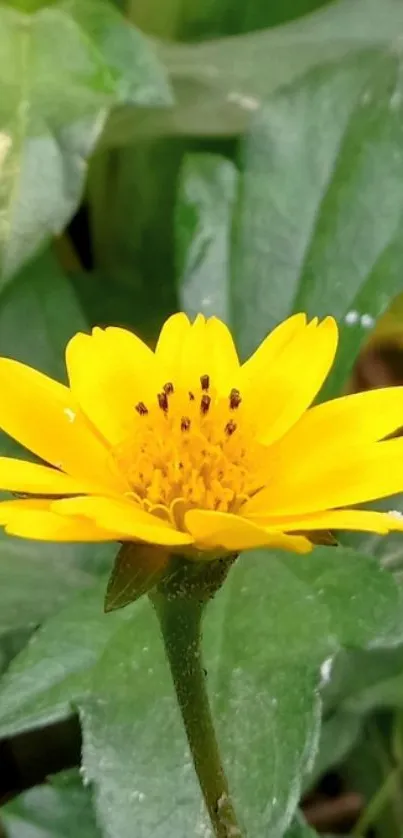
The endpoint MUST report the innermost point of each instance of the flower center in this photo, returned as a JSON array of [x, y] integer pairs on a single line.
[[190, 449]]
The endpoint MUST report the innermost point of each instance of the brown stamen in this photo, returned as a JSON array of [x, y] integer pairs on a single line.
[[185, 423], [205, 382], [163, 401], [234, 398], [191, 396], [168, 388], [141, 409], [205, 402], [230, 427]]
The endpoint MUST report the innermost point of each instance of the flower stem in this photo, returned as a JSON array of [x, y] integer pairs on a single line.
[[180, 621]]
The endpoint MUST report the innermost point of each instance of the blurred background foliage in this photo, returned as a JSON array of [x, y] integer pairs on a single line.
[[244, 160]]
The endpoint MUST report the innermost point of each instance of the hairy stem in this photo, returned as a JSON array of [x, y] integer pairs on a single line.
[[180, 621]]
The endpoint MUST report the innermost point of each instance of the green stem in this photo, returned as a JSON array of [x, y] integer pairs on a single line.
[[180, 621]]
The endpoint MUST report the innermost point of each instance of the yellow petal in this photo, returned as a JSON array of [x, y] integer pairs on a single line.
[[168, 351], [231, 532], [356, 419], [339, 519], [21, 476], [194, 358], [43, 416], [110, 372], [8, 508], [122, 516], [188, 351], [315, 483], [255, 369], [224, 367], [33, 519], [277, 397]]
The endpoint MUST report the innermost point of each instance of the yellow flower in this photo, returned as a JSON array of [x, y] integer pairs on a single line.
[[187, 448]]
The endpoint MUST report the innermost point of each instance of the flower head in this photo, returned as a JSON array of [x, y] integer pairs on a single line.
[[186, 448]]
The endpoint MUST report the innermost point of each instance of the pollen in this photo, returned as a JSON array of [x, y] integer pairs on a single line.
[[186, 451], [163, 401], [234, 398], [205, 402]]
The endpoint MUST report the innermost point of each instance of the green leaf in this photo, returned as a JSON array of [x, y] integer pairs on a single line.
[[137, 569], [302, 611], [388, 550], [132, 246], [60, 809], [49, 675], [367, 680], [37, 579], [338, 736], [39, 313], [362, 681], [207, 192], [319, 226], [219, 85], [300, 829], [269, 638], [61, 68], [300, 227]]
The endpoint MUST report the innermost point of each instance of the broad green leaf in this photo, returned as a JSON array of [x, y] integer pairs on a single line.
[[339, 733], [39, 313], [362, 681], [59, 809], [37, 579], [131, 724], [63, 65], [300, 829], [269, 636], [220, 84], [199, 20], [11, 643], [321, 209], [50, 674], [303, 239], [207, 192], [388, 550], [367, 680], [134, 284], [311, 608]]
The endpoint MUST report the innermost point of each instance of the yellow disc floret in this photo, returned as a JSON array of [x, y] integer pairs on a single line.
[[190, 449]]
